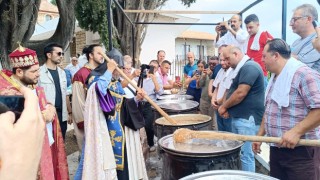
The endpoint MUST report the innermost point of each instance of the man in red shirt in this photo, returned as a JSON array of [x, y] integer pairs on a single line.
[[256, 42]]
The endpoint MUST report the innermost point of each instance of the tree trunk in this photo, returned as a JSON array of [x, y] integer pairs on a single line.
[[17, 24], [65, 29], [123, 26], [18, 19]]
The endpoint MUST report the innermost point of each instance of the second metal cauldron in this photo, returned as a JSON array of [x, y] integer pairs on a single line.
[[182, 160]]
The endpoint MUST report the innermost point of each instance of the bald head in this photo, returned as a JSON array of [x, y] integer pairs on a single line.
[[190, 56], [232, 55]]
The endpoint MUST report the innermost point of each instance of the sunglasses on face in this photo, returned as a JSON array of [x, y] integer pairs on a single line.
[[60, 53]]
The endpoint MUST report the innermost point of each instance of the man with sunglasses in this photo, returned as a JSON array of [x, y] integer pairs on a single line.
[[301, 23], [54, 81]]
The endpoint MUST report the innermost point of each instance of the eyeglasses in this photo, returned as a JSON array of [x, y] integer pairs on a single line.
[[60, 53], [294, 19]]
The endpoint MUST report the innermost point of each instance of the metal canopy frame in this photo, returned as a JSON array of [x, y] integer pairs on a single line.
[[284, 17]]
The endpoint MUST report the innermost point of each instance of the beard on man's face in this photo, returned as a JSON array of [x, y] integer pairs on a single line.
[[27, 81]]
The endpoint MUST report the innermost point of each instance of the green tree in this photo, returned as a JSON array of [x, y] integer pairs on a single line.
[[53, 2], [17, 24], [91, 15]]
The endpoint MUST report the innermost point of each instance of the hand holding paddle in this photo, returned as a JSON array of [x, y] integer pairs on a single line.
[[165, 115]]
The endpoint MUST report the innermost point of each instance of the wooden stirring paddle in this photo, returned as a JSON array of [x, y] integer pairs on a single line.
[[183, 135], [164, 114]]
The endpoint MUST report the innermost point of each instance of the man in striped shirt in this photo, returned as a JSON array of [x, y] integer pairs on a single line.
[[292, 111]]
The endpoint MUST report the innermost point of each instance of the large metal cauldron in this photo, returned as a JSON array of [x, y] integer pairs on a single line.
[[190, 121], [180, 160], [173, 107], [228, 174], [175, 97]]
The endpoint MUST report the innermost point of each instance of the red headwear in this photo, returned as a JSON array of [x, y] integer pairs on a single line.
[[23, 57]]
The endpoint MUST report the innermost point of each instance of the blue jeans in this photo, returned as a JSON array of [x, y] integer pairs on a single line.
[[245, 127], [223, 124], [78, 175]]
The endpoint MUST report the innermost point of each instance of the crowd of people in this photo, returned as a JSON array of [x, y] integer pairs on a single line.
[[257, 85]]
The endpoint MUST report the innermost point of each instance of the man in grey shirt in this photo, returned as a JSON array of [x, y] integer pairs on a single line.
[[301, 23]]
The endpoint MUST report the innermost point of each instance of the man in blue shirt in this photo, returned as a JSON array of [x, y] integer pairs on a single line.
[[192, 65]]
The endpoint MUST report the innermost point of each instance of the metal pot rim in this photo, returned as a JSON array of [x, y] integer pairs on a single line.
[[195, 154], [236, 173]]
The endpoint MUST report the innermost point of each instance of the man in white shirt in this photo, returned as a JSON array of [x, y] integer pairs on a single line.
[[234, 36], [73, 67], [220, 91]]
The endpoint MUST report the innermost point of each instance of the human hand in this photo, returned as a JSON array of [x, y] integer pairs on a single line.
[[140, 94], [70, 119], [111, 65], [256, 147], [217, 29], [316, 41], [290, 139], [209, 72], [214, 103], [225, 24], [223, 112], [177, 84], [21, 143], [49, 113], [196, 77], [136, 73]]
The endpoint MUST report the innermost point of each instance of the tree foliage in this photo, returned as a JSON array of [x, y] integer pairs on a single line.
[[17, 24], [53, 2], [91, 15]]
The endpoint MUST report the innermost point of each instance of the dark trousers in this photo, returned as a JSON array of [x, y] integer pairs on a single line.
[[300, 163], [63, 125], [148, 117], [196, 93]]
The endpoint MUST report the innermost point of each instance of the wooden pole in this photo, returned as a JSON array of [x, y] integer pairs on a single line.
[[164, 114], [180, 12], [183, 135]]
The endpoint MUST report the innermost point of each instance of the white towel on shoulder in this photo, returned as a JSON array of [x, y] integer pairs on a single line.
[[255, 43], [282, 85], [235, 72]]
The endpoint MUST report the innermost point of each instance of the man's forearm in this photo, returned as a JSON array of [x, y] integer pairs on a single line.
[[236, 98], [156, 85]]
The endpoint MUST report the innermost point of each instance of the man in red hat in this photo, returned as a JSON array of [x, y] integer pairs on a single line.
[[25, 72]]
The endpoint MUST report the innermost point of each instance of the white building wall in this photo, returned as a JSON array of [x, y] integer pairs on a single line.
[[162, 37], [193, 46]]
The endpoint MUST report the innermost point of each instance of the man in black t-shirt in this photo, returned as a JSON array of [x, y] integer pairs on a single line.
[[54, 81], [245, 100]]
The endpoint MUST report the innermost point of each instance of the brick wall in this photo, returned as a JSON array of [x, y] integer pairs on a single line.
[[80, 42]]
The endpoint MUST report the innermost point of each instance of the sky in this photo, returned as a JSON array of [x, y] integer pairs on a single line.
[[268, 11]]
